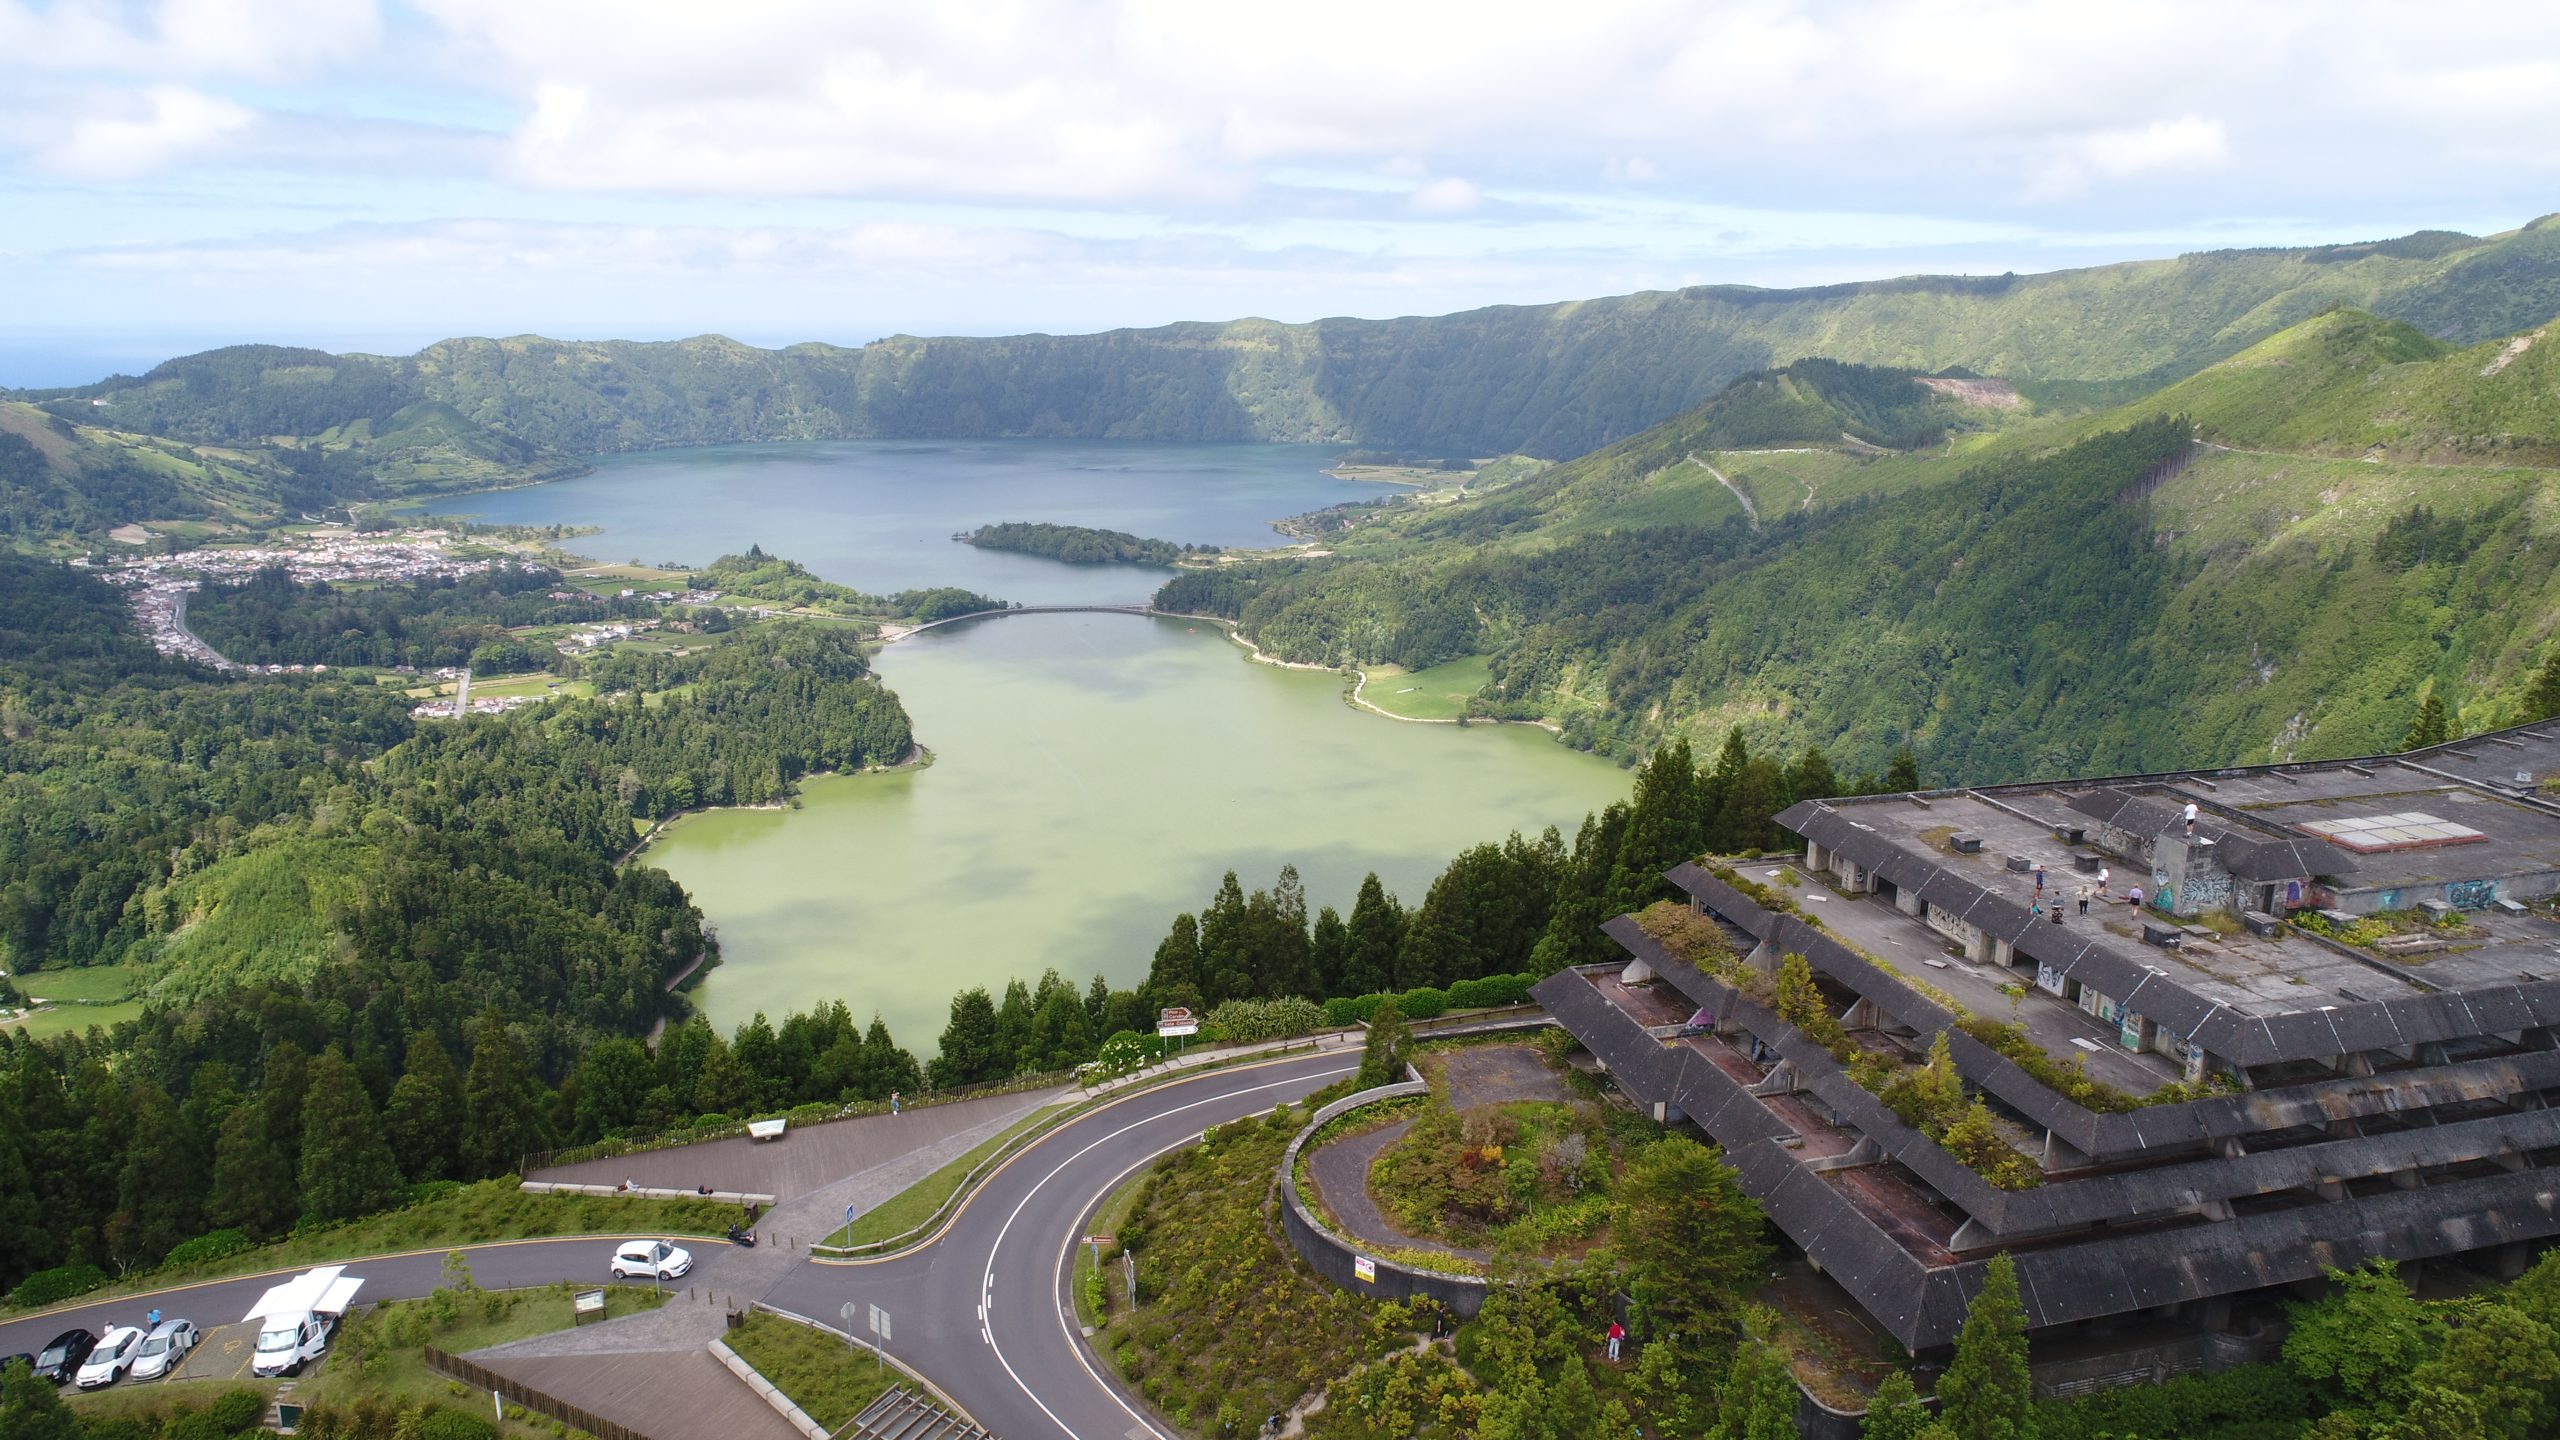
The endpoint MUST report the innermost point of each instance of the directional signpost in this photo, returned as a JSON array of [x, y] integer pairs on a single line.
[[1175, 1023]]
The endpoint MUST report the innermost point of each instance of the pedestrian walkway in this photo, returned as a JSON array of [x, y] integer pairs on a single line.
[[668, 1396], [806, 1158], [1341, 1171]]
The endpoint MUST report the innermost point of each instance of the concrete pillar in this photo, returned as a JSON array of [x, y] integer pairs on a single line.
[[2003, 954], [2407, 1180], [1906, 900], [1815, 856], [2060, 1154]]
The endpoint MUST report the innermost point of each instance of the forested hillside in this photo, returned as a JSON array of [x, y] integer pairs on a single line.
[[2040, 594], [1551, 380]]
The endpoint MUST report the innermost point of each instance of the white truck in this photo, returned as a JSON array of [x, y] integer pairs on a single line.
[[296, 1318]]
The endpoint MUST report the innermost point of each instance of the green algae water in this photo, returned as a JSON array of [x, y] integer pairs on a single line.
[[1093, 774]]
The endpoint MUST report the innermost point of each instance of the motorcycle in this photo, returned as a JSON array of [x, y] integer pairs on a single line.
[[740, 1236]]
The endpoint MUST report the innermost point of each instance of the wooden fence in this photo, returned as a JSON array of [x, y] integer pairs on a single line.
[[517, 1392]]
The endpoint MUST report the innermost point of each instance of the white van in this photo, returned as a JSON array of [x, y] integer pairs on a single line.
[[295, 1319]]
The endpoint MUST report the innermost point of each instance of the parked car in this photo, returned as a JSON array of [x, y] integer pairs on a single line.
[[59, 1361], [164, 1347], [641, 1258], [21, 1358], [113, 1356]]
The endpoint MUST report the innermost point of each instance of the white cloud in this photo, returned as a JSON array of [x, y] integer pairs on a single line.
[[144, 133], [1448, 195], [2188, 143], [253, 39]]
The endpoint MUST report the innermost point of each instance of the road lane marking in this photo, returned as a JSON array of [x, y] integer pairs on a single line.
[[1025, 1203]]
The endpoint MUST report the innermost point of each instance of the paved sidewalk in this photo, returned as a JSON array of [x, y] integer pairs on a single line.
[[676, 1397], [1341, 1172], [806, 1158]]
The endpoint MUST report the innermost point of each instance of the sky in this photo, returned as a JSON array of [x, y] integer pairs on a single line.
[[378, 174]]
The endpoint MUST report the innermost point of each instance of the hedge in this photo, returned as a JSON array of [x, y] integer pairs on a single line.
[[1427, 1002], [50, 1287]]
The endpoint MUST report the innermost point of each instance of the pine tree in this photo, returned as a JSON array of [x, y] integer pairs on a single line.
[[162, 1177], [1758, 792], [1223, 940], [1328, 945], [1175, 977], [1903, 774], [968, 1052], [1894, 1412], [253, 1187], [1013, 1029], [1383, 1055], [1281, 964], [1986, 1393], [1811, 777], [1581, 901], [887, 1068], [347, 1169], [424, 1115], [502, 1124], [2431, 726], [1666, 824], [726, 1088], [2542, 701], [1695, 1242], [613, 1084], [288, 1074], [1374, 938], [1758, 1399]]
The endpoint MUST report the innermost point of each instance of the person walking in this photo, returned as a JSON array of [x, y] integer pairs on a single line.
[[2191, 819], [152, 1320], [2102, 882], [893, 1104], [2133, 896], [1617, 1335], [2084, 899]]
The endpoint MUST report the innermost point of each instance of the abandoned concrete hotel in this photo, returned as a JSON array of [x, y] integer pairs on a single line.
[[2349, 970]]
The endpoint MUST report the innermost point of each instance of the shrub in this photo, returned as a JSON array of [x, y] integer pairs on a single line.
[[430, 1190], [443, 1424], [1249, 1021], [709, 1120], [1489, 991], [1350, 1009], [48, 1287], [1423, 1002], [213, 1245], [236, 1411]]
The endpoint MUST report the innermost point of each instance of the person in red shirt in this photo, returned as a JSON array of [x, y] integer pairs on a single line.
[[1617, 1333]]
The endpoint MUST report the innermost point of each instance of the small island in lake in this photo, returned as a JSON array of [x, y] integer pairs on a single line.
[[1081, 545]]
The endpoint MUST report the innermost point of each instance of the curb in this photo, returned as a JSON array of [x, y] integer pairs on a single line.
[[765, 1391]]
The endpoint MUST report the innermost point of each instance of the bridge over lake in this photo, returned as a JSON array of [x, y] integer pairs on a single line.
[[1056, 610]]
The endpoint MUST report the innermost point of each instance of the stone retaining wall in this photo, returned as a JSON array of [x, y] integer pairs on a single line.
[[1339, 1259]]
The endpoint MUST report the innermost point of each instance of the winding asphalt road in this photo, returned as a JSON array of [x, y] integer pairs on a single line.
[[982, 1310]]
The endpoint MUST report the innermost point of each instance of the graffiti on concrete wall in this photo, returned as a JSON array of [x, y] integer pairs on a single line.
[[2206, 891], [2471, 894]]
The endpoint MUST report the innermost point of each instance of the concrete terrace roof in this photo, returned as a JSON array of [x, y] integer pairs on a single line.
[[2250, 1000]]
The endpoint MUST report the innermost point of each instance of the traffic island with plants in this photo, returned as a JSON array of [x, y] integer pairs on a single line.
[[1229, 1328], [1523, 1171], [829, 1379]]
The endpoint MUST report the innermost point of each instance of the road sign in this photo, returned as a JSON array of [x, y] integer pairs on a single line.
[[849, 1311], [880, 1323], [1101, 1239], [1176, 1021], [1365, 1268]]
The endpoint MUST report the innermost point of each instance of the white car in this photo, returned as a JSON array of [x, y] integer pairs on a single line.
[[638, 1259], [163, 1348], [111, 1359]]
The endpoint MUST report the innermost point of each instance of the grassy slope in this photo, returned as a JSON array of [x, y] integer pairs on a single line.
[[829, 1380]]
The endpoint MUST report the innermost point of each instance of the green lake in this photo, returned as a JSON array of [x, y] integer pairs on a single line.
[[1093, 774]]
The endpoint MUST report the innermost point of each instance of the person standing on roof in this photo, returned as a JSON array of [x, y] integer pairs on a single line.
[[2084, 899], [2191, 819], [2102, 882], [2133, 896], [2039, 874]]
